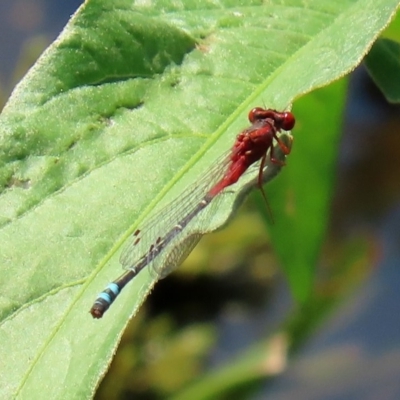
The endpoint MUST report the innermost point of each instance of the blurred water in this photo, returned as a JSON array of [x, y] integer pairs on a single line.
[[20, 20], [357, 353]]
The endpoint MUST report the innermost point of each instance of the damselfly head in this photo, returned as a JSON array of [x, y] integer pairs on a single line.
[[283, 120], [288, 121]]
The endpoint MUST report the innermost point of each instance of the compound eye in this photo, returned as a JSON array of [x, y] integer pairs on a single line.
[[288, 121], [256, 114]]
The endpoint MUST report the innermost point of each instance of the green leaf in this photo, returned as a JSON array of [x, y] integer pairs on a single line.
[[383, 64], [392, 31], [129, 105], [303, 193]]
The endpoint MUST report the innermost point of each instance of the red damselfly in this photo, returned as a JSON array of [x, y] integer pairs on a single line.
[[165, 240]]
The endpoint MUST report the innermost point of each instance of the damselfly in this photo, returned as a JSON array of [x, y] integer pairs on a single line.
[[164, 241]]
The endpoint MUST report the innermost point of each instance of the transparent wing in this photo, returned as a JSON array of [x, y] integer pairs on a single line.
[[181, 245], [179, 252], [162, 224]]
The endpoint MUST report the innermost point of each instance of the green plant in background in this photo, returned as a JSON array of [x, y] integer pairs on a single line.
[[127, 107]]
